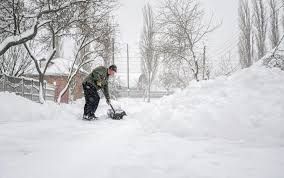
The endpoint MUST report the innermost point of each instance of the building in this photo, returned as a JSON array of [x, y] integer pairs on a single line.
[[57, 75]]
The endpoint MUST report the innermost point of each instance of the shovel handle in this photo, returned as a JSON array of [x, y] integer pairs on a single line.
[[112, 108]]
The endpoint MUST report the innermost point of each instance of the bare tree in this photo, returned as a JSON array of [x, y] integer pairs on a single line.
[[147, 47], [98, 20], [274, 23], [106, 41], [60, 24], [226, 65], [260, 25], [282, 2], [15, 62], [183, 31], [170, 79], [245, 38]]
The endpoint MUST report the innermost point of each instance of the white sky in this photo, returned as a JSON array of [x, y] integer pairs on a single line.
[[129, 17]]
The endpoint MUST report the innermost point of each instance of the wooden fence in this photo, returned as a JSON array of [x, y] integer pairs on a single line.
[[26, 87]]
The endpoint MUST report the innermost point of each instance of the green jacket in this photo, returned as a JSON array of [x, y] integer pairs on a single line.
[[99, 78]]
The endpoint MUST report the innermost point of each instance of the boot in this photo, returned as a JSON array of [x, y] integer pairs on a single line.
[[93, 117], [89, 117], [86, 117]]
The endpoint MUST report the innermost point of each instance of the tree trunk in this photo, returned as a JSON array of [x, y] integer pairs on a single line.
[[41, 83], [149, 88]]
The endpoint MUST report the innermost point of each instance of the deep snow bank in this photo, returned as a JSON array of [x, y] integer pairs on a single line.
[[17, 108], [247, 105]]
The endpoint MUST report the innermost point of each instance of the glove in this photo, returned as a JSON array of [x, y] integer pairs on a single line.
[[99, 83], [108, 101]]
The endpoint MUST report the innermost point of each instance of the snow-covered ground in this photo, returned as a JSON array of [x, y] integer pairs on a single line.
[[225, 128]]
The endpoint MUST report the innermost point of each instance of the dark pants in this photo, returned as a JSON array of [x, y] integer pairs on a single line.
[[92, 99]]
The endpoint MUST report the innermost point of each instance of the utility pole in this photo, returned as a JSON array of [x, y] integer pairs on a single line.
[[127, 72], [112, 50], [204, 58]]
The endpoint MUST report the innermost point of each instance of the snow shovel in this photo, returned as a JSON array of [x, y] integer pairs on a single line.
[[115, 114]]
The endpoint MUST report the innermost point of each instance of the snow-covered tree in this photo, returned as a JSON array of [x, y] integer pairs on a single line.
[[48, 34], [245, 38], [15, 62], [282, 17], [107, 44], [98, 21], [148, 48], [182, 31], [21, 20], [226, 66], [41, 70], [276, 57], [114, 86], [260, 26], [170, 80], [274, 23]]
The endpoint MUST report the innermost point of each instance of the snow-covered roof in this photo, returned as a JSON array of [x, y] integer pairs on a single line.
[[59, 66]]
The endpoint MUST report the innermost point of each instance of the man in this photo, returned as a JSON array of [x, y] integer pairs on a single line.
[[97, 80]]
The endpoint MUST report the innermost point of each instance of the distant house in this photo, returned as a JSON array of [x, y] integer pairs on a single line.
[[57, 75]]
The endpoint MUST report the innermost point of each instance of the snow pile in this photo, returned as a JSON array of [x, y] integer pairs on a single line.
[[247, 105], [16, 108], [276, 60]]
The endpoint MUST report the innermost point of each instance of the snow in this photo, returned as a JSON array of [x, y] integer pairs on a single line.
[[251, 99], [228, 127], [59, 66], [133, 78]]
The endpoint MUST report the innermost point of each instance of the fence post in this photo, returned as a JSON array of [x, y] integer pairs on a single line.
[[4, 82], [23, 87], [32, 89]]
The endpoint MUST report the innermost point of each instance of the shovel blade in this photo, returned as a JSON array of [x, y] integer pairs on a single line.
[[118, 115]]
